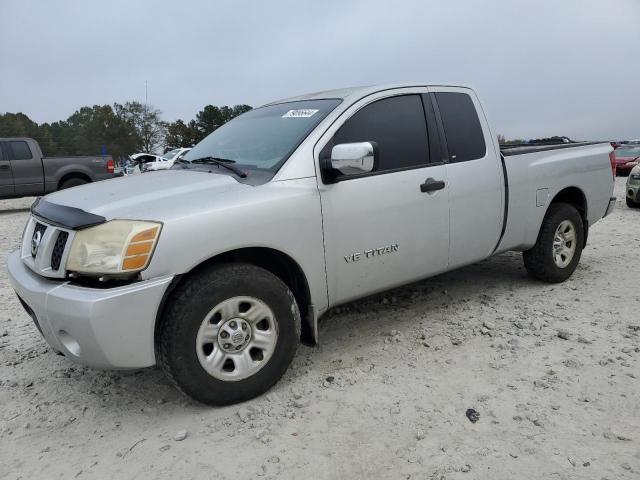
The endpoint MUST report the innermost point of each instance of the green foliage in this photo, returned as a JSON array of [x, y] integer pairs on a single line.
[[120, 130], [210, 118], [89, 131], [17, 125], [180, 134]]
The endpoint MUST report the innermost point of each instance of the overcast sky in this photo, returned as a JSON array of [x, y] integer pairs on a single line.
[[541, 67]]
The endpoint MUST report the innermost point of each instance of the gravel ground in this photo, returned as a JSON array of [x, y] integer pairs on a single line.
[[552, 372]]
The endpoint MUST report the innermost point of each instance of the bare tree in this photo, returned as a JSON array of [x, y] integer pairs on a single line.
[[149, 127]]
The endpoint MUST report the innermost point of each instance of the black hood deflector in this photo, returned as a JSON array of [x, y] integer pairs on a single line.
[[66, 217]]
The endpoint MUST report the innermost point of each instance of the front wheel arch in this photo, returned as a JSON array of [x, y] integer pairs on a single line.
[[275, 261]]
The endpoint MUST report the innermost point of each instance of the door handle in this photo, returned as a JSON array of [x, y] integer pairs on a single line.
[[431, 185], [4, 167]]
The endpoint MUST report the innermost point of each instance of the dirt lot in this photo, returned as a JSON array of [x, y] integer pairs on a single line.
[[552, 371]]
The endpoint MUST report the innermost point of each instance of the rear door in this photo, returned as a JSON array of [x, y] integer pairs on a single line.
[[6, 178], [476, 181], [26, 166], [380, 228]]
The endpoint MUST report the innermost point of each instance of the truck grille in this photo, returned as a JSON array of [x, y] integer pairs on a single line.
[[38, 232], [58, 250], [45, 248]]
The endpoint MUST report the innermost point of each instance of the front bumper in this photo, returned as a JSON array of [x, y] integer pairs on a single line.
[[633, 191], [104, 328]]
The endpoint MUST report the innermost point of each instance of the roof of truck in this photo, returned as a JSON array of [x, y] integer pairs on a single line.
[[362, 91]]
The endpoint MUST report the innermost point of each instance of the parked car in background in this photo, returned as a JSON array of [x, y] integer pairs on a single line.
[[627, 157], [25, 172], [142, 159], [633, 188], [216, 269], [168, 159], [119, 170]]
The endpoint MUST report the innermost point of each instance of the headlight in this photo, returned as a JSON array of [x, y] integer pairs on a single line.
[[635, 176], [115, 247]]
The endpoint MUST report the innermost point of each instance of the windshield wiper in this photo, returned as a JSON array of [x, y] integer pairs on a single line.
[[221, 162]]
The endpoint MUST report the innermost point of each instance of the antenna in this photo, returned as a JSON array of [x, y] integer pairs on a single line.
[[146, 95]]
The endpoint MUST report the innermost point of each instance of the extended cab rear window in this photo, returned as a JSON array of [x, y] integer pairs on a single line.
[[462, 129]]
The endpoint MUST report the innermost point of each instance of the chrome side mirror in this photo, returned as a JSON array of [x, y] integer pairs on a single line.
[[353, 158]]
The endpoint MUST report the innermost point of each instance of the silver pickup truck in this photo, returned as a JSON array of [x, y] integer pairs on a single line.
[[25, 172], [217, 269]]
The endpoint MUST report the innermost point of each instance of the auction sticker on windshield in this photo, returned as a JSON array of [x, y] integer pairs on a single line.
[[302, 113]]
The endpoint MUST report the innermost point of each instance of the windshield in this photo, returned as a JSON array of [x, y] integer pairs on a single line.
[[628, 152], [171, 154], [265, 137]]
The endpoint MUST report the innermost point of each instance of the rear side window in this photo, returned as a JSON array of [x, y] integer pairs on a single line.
[[19, 150], [396, 124], [462, 129]]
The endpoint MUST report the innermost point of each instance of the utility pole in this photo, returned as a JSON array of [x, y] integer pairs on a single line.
[[146, 112]]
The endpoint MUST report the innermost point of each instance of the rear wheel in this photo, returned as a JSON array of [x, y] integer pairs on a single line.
[[72, 182], [557, 251], [228, 334], [632, 204]]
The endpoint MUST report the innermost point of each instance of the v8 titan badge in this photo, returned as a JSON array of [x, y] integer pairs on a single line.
[[374, 252]]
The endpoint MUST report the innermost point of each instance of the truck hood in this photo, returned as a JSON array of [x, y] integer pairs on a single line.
[[151, 196]]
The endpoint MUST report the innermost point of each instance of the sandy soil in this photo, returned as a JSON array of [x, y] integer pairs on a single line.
[[384, 396]]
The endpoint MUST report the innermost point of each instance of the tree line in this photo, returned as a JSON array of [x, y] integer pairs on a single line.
[[118, 130]]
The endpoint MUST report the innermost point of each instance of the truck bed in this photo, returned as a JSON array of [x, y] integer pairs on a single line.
[[521, 148], [535, 174]]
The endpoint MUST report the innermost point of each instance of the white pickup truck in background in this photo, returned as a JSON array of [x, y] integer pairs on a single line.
[[217, 268]]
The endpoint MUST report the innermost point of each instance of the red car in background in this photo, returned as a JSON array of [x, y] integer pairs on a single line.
[[627, 157]]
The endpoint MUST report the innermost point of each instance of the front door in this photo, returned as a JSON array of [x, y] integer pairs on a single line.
[[390, 226], [26, 167], [6, 178]]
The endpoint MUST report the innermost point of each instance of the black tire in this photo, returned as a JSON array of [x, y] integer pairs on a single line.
[[72, 182], [187, 307], [539, 260], [632, 204]]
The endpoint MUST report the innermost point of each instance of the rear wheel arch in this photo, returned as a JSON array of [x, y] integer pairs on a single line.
[[275, 261], [575, 197], [558, 248], [73, 176]]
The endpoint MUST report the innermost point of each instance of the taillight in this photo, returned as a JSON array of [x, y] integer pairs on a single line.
[[110, 166]]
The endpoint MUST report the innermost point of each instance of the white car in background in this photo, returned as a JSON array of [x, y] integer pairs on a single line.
[[166, 161], [142, 159]]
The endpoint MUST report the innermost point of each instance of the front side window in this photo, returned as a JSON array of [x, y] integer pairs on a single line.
[[396, 125], [263, 138], [19, 150], [462, 129]]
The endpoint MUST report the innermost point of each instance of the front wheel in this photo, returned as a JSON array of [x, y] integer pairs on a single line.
[[556, 253], [228, 334]]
